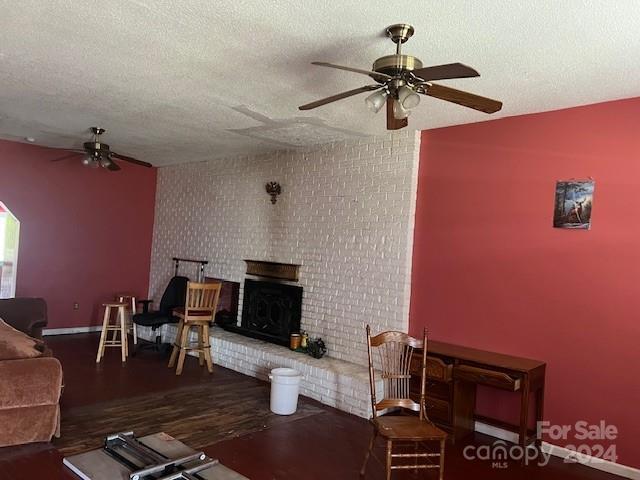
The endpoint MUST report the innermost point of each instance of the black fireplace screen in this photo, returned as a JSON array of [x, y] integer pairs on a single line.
[[271, 311]]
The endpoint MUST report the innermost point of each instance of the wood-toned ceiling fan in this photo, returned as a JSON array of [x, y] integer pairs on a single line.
[[400, 78], [97, 154]]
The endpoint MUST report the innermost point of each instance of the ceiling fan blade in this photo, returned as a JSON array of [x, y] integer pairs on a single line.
[[442, 72], [338, 96], [64, 157], [394, 123], [466, 99], [113, 166], [130, 160], [378, 77]]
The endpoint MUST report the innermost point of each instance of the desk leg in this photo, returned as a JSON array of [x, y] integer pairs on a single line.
[[524, 411], [539, 411]]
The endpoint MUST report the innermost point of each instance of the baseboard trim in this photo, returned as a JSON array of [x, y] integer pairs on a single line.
[[70, 330], [496, 432], [623, 471], [593, 462]]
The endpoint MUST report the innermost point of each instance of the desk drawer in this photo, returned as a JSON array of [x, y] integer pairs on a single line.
[[483, 376], [437, 389], [436, 368], [438, 409], [433, 388]]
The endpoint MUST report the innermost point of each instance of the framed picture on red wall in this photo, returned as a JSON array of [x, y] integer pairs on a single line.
[[574, 201]]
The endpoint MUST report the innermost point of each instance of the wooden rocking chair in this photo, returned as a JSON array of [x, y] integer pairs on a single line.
[[396, 349]]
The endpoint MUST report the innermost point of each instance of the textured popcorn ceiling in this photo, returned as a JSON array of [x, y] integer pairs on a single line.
[[173, 81]]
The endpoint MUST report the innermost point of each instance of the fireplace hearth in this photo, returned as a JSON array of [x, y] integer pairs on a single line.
[[270, 311]]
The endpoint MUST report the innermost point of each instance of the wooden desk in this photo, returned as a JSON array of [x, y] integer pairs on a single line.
[[454, 372]]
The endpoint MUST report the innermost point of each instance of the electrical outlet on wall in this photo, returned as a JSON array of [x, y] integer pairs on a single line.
[[76, 305]]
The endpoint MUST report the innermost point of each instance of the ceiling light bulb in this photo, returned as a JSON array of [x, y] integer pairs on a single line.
[[399, 112], [87, 160], [408, 98], [376, 100], [90, 160], [105, 161]]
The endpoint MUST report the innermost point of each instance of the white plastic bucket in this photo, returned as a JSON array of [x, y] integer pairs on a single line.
[[285, 384]]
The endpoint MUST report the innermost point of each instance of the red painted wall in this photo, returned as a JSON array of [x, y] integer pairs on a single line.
[[489, 271], [84, 234]]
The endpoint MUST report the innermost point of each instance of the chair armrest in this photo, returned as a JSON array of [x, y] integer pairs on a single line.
[[145, 305], [30, 382]]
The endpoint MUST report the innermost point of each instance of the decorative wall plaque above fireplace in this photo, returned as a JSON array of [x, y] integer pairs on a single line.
[[281, 271]]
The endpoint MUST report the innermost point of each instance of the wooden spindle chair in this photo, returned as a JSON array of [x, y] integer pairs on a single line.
[[396, 350], [199, 310]]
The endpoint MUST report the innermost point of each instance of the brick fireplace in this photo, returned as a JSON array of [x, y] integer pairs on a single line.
[[345, 216]]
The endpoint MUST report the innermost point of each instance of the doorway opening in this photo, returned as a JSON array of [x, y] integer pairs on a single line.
[[9, 239]]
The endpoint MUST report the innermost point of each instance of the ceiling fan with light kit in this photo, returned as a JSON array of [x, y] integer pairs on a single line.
[[401, 78], [97, 154]]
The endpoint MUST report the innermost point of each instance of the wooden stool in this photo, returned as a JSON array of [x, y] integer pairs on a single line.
[[199, 310], [183, 345], [130, 300], [120, 325]]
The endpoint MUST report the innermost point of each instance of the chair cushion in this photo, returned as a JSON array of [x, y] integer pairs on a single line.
[[407, 428], [15, 344], [153, 319]]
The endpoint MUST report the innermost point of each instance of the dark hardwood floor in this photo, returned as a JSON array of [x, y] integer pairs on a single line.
[[326, 444]]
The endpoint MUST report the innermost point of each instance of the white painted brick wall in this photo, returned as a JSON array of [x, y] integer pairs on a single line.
[[346, 214]]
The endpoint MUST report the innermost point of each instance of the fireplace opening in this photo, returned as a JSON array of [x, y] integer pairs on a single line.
[[270, 311]]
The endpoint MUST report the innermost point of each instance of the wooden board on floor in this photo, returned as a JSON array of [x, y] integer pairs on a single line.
[[198, 415]]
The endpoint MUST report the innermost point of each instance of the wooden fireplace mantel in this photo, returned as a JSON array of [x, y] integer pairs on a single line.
[[281, 271]]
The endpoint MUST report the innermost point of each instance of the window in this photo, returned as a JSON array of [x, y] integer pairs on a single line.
[[9, 236]]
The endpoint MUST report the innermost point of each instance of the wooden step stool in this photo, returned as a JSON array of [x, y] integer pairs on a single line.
[[120, 326]]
